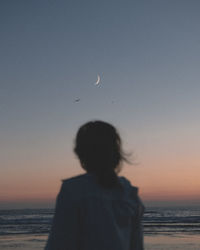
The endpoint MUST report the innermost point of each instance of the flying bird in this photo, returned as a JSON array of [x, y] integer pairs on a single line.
[[77, 100], [98, 80]]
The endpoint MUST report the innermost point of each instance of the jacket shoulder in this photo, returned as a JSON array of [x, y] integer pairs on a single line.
[[127, 184], [76, 186], [73, 179]]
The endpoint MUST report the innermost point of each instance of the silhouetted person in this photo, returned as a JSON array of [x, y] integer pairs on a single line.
[[97, 210]]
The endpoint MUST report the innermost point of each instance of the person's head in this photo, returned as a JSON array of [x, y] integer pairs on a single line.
[[98, 147]]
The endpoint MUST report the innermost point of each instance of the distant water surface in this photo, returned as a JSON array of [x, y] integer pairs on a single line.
[[28, 228], [172, 220]]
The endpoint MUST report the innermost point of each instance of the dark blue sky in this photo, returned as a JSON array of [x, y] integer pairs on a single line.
[[147, 54]]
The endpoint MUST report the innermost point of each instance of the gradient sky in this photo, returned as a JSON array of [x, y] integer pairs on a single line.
[[147, 54]]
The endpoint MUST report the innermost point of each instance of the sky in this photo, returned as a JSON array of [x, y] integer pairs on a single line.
[[147, 54]]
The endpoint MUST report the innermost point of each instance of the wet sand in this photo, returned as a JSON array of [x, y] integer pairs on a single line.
[[152, 242], [172, 242]]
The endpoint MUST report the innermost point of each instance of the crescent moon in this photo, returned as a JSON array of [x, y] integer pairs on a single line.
[[98, 80]]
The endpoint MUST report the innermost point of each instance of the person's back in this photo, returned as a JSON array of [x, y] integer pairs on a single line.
[[92, 216]]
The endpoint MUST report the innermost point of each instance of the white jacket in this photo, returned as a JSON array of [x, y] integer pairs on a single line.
[[90, 217]]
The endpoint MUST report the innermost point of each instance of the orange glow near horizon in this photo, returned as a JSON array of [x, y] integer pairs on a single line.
[[154, 184], [167, 177]]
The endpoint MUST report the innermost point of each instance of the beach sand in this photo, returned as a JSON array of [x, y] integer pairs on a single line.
[[156, 242], [172, 242], [23, 242]]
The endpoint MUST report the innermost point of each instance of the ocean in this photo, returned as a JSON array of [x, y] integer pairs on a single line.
[[164, 228]]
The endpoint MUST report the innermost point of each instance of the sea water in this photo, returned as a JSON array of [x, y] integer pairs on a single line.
[[164, 228]]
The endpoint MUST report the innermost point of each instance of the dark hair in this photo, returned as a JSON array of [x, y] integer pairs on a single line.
[[98, 147]]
